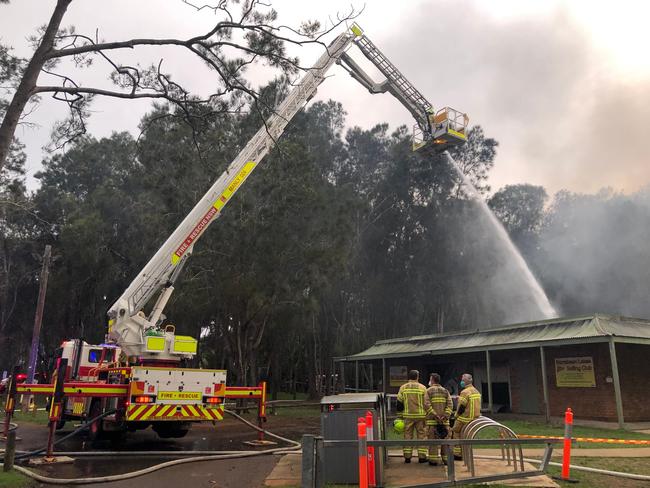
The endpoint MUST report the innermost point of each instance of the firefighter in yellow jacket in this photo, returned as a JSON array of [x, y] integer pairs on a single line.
[[468, 409], [438, 418], [413, 397]]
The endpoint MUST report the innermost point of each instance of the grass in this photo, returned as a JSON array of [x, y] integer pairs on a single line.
[[593, 480], [40, 417], [13, 479], [541, 428]]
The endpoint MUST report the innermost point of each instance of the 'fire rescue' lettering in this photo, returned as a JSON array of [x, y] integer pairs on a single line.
[[179, 395], [214, 209]]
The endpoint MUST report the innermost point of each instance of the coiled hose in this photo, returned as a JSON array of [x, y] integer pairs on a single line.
[[134, 474]]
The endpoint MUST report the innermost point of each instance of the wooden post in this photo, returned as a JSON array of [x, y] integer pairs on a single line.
[[38, 316], [617, 384], [38, 320], [384, 386], [547, 405], [10, 403], [10, 451], [489, 382]]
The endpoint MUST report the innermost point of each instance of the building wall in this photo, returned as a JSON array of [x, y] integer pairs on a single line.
[[597, 403], [633, 369], [526, 390]]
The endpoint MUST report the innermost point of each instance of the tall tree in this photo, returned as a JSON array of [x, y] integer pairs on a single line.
[[18, 268], [521, 210], [236, 41]]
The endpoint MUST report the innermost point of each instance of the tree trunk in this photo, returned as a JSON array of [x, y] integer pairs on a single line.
[[27, 84]]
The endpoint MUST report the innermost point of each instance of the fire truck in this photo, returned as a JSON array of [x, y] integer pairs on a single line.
[[138, 378]]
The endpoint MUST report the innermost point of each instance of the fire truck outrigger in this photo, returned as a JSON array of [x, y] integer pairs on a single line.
[[137, 378]]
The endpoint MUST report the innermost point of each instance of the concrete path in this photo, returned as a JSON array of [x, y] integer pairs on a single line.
[[288, 472]]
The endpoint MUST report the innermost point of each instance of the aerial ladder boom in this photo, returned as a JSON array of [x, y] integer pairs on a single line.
[[142, 336], [436, 130]]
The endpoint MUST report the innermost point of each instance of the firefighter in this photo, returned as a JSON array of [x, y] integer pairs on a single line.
[[438, 418], [413, 397], [468, 409]]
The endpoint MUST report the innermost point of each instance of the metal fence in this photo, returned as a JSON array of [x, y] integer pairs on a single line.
[[312, 457]]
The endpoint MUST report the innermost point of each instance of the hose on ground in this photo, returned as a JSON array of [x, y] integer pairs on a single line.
[[175, 462], [86, 425], [12, 426]]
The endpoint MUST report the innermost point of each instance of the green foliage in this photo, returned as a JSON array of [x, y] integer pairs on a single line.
[[520, 208], [13, 479]]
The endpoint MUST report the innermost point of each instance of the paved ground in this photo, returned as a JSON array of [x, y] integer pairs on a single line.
[[227, 435], [287, 473]]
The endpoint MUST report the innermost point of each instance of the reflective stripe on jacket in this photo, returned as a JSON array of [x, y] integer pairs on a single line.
[[470, 398], [414, 397], [441, 405]]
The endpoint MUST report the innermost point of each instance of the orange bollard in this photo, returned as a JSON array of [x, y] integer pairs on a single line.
[[363, 453], [568, 432], [371, 450]]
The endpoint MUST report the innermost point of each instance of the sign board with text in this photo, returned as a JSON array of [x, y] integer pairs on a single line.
[[575, 372], [398, 375]]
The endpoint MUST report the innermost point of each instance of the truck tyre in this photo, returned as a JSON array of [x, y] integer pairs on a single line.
[[117, 438], [171, 430]]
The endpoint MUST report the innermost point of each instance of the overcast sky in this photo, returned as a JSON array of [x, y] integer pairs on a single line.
[[564, 86]]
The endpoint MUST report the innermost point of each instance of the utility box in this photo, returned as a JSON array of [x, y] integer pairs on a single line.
[[339, 417]]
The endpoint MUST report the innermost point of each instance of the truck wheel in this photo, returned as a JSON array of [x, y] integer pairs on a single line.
[[117, 438], [60, 424], [171, 430], [95, 430]]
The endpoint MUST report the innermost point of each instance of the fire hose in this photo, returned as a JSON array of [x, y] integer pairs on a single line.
[[133, 474]]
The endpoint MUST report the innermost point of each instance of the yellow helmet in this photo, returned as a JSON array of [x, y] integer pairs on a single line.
[[398, 426]]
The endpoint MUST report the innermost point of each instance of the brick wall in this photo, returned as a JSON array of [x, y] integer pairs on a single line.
[[633, 369], [597, 403]]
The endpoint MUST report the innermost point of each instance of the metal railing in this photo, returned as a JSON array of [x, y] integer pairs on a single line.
[[475, 427], [312, 469]]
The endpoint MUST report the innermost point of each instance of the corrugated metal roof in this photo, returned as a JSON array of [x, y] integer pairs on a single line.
[[594, 328]]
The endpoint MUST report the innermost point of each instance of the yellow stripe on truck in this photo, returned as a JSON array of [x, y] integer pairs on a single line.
[[164, 409], [134, 413]]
